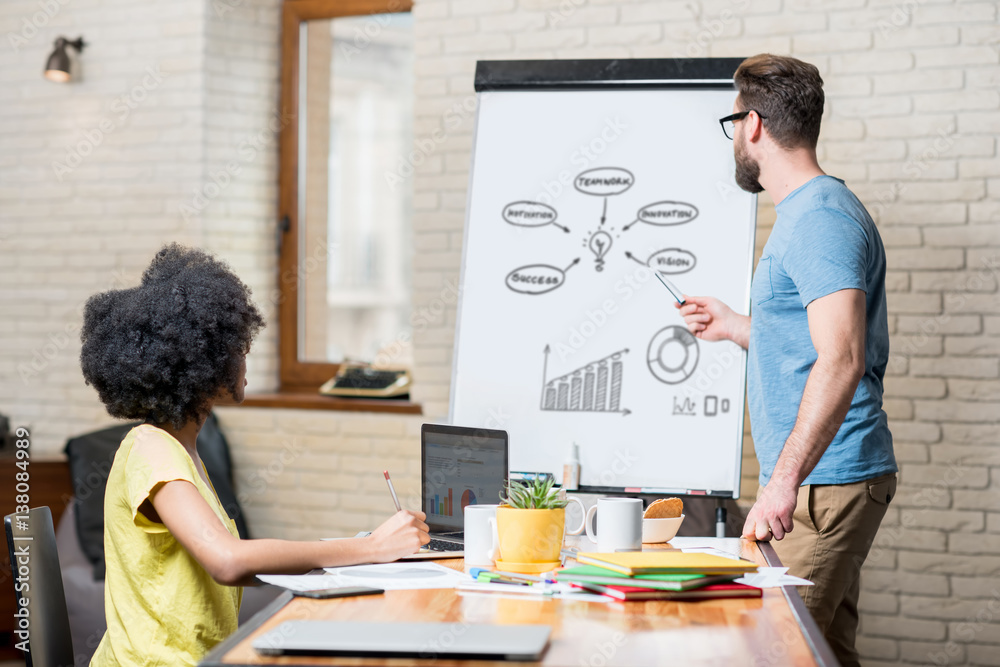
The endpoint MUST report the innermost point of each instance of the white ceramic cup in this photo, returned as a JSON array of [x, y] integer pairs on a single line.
[[583, 516], [481, 544], [621, 524]]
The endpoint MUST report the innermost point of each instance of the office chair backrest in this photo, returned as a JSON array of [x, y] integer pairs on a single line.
[[42, 619]]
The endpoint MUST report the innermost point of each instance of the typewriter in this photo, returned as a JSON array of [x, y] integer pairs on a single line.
[[361, 380]]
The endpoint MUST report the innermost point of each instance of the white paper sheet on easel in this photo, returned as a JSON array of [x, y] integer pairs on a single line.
[[398, 576]]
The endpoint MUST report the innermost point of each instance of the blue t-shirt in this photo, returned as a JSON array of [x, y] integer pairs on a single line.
[[823, 241]]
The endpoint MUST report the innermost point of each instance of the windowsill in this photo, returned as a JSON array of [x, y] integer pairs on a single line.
[[302, 399]]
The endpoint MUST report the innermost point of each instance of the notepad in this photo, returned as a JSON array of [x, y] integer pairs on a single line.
[[666, 562]]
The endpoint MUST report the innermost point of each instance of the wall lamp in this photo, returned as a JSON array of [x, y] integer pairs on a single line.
[[57, 67]]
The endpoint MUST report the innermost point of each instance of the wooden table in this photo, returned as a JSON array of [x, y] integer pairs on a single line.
[[773, 630]]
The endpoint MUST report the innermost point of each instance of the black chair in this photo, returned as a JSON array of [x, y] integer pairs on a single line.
[[31, 543]]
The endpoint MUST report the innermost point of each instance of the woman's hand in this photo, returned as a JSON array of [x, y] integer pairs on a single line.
[[401, 535]]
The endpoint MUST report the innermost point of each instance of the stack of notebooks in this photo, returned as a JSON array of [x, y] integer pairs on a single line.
[[660, 575]]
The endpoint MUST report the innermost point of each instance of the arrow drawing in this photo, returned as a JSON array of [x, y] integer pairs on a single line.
[[633, 258]]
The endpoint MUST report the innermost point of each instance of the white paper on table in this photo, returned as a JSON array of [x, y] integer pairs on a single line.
[[300, 582], [711, 550], [477, 587], [772, 577], [398, 576]]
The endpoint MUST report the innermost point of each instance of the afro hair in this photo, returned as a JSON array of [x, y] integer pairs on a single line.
[[163, 351]]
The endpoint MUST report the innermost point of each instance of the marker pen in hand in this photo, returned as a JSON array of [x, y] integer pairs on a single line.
[[674, 292]]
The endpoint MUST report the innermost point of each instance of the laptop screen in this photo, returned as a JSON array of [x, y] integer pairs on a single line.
[[460, 466]]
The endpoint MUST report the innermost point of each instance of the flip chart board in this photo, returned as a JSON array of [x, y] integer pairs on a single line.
[[588, 176]]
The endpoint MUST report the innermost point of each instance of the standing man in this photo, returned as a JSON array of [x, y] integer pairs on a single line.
[[817, 345]]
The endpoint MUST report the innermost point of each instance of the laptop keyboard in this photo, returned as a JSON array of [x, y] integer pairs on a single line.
[[443, 545]]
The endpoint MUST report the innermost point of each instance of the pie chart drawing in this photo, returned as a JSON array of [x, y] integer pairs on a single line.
[[672, 355], [468, 498]]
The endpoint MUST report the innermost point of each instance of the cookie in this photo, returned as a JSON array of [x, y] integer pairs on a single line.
[[664, 508]]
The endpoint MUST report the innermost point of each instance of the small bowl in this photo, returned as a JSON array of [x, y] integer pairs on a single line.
[[655, 531]]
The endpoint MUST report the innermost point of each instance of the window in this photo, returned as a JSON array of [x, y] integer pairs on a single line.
[[345, 255]]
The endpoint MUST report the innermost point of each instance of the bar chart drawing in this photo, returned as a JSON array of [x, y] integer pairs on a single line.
[[593, 387]]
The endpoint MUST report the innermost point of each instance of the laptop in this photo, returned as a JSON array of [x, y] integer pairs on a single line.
[[459, 466], [420, 640]]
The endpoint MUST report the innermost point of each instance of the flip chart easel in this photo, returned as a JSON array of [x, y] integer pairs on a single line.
[[587, 176]]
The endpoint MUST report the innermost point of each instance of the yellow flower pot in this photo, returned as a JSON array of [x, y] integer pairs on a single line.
[[530, 536]]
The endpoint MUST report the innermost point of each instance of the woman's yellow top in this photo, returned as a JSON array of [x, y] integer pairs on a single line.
[[162, 607]]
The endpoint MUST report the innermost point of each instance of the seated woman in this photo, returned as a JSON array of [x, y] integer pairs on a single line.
[[164, 352]]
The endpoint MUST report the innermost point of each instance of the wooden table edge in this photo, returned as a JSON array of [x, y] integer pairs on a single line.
[[814, 638]]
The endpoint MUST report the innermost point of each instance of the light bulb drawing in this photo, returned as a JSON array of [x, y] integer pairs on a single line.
[[600, 243]]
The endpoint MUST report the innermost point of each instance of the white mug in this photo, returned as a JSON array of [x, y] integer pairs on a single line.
[[481, 544], [621, 524], [583, 516]]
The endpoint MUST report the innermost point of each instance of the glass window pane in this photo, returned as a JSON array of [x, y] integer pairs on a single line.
[[355, 241]]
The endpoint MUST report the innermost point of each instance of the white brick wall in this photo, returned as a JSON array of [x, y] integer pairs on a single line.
[[68, 233], [96, 175], [912, 124]]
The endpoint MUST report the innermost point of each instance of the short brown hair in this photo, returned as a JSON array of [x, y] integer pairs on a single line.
[[788, 92]]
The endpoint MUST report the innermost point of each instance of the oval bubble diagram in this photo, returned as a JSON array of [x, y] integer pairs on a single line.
[[535, 279], [529, 214], [604, 181], [672, 261], [666, 213]]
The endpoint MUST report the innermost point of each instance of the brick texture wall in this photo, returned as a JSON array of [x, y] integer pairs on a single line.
[[166, 133], [912, 123], [90, 173]]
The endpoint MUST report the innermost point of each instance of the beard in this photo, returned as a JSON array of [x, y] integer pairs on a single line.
[[747, 170]]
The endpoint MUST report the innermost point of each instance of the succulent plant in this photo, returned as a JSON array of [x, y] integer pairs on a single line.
[[537, 494]]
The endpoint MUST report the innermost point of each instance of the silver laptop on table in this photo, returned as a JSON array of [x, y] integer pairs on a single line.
[[398, 640], [459, 466]]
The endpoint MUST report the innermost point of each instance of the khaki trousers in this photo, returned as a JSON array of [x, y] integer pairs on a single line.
[[835, 525]]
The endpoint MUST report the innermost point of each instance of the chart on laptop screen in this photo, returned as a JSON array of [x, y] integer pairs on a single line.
[[459, 476]]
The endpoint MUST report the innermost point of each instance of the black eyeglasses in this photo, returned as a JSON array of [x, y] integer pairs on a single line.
[[729, 122]]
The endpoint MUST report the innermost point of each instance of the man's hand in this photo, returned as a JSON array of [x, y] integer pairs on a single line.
[[710, 319], [771, 515]]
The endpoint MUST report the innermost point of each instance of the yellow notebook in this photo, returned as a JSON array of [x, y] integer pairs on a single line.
[[666, 562]]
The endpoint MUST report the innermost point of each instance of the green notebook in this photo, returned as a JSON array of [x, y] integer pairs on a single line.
[[592, 574]]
